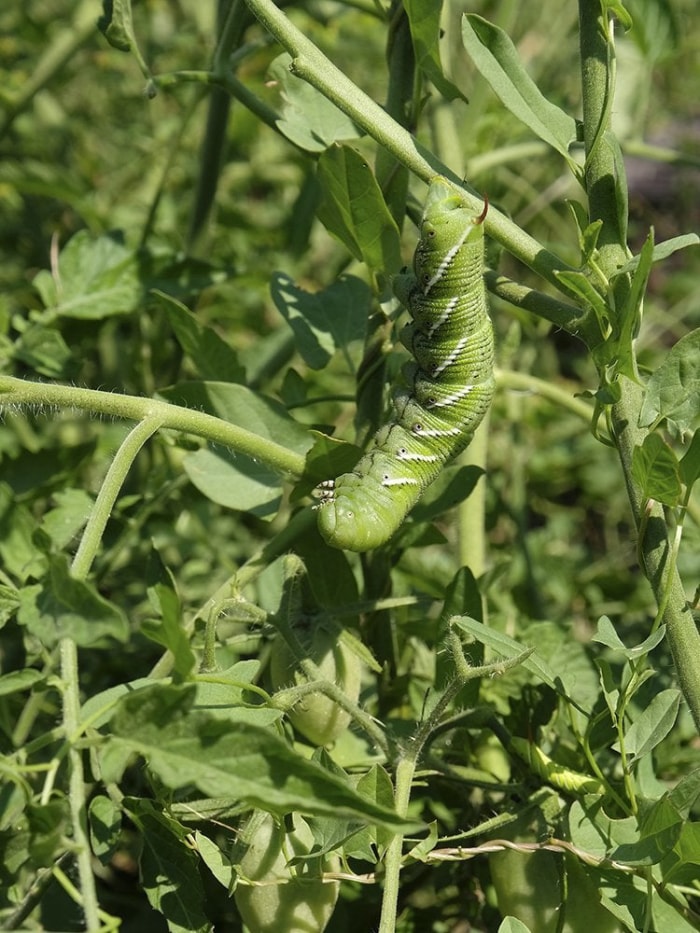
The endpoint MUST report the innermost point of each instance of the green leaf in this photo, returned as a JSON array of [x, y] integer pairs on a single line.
[[309, 119], [63, 607], [218, 864], [116, 24], [509, 648], [185, 747], [97, 277], [354, 210], [513, 925], [617, 9], [606, 634], [453, 485], [686, 792], [673, 392], [627, 325], [588, 233], [19, 553], [235, 481], [328, 458], [229, 478], [580, 285], [660, 827], [62, 523], [690, 461], [19, 681], [462, 598], [653, 724], [169, 873], [329, 575], [168, 631], [45, 350], [685, 856], [424, 23], [48, 824], [497, 60], [324, 322], [214, 358], [656, 471], [105, 820], [374, 786], [9, 601], [662, 251]]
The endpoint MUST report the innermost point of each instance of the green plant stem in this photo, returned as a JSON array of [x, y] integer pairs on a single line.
[[113, 482], [77, 796], [233, 19], [18, 392], [567, 316], [405, 770], [82, 562], [309, 63], [600, 170]]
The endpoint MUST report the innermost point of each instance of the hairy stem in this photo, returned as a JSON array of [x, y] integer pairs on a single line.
[[19, 392]]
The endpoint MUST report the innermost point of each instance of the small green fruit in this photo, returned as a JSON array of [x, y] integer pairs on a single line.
[[288, 899], [316, 716]]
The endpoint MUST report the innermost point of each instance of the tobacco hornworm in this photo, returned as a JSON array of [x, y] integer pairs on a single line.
[[446, 392]]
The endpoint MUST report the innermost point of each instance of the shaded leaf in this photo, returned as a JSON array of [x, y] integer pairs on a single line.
[[309, 119], [424, 22], [656, 470], [354, 210], [653, 724], [673, 391], [214, 358], [63, 607], [323, 322], [97, 277]]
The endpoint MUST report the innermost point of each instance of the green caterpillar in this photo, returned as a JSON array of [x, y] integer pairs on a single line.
[[446, 392], [553, 773]]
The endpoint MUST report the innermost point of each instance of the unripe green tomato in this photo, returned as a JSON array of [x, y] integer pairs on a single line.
[[528, 887], [292, 900], [316, 716]]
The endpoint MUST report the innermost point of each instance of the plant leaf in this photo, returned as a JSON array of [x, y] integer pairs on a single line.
[[354, 210], [653, 724], [246, 762], [309, 119], [656, 470], [424, 22], [324, 322], [497, 59]]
